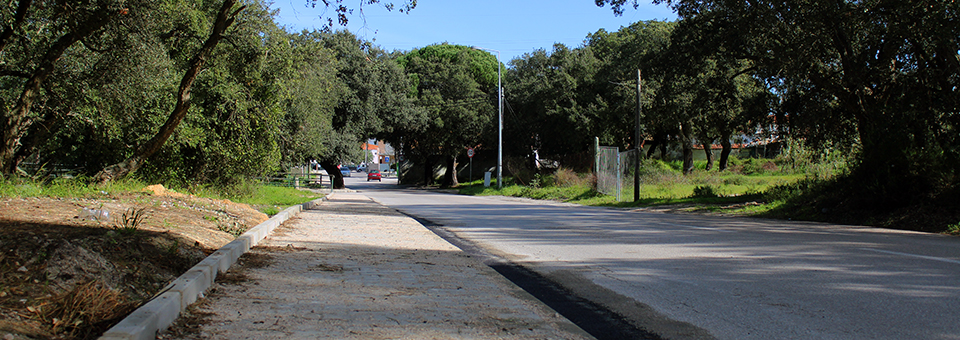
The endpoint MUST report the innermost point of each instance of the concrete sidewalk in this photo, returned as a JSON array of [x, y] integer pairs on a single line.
[[353, 269]]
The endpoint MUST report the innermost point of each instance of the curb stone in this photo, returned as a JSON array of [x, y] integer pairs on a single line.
[[160, 312]]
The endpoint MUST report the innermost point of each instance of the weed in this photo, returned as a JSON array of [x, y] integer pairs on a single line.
[[270, 211], [954, 228], [536, 181], [174, 247], [130, 221], [235, 228]]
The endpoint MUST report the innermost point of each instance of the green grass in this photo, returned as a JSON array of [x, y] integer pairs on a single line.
[[268, 199], [661, 186], [65, 188], [282, 196]]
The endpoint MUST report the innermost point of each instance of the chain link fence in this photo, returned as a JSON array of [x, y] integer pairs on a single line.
[[608, 171], [614, 169]]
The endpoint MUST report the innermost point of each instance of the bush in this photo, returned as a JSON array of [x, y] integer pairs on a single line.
[[657, 171], [954, 228], [567, 178], [704, 191], [752, 166], [824, 162]]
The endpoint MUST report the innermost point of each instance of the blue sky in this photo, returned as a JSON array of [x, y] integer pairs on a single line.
[[513, 27]]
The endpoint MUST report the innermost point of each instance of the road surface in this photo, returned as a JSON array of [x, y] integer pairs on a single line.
[[697, 277]]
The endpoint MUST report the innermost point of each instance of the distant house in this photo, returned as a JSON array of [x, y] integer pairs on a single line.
[[381, 152]]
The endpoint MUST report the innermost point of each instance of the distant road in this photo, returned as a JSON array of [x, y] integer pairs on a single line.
[[685, 276]]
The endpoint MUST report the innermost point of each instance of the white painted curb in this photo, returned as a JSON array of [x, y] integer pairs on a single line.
[[160, 312]]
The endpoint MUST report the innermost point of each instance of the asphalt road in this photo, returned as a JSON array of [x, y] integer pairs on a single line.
[[696, 277]]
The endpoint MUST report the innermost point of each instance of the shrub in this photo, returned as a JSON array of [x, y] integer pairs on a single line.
[[567, 178], [735, 180], [704, 191], [954, 228]]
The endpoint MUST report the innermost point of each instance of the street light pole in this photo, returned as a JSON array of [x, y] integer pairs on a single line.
[[499, 120]]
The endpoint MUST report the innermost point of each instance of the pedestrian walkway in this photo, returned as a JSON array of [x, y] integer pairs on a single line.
[[354, 269]]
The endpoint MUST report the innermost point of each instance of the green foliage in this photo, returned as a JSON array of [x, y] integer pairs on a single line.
[[824, 162], [276, 196], [554, 95], [954, 228], [751, 166], [130, 221], [459, 97], [18, 187], [704, 191], [270, 210]]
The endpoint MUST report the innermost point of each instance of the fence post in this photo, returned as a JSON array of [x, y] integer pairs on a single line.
[[596, 161]]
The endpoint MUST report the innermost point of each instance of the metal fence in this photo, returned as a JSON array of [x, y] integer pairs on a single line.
[[614, 168], [608, 171]]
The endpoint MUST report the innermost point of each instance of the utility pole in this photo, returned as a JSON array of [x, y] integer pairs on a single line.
[[637, 145], [499, 120]]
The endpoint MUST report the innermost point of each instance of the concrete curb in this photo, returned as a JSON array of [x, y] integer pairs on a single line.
[[161, 311]]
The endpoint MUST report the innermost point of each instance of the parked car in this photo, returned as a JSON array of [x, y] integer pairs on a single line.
[[373, 175], [345, 171]]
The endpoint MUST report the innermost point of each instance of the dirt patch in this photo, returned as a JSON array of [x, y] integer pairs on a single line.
[[72, 268]]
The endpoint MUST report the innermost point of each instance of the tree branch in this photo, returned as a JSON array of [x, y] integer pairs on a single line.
[[18, 19], [225, 18]]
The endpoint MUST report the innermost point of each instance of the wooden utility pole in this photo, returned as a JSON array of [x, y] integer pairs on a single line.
[[637, 144]]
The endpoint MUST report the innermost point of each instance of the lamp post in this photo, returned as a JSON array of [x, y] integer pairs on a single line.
[[499, 120]]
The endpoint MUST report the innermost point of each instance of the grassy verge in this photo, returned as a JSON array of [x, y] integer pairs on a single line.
[[701, 191], [775, 195], [65, 188], [271, 199], [268, 199]]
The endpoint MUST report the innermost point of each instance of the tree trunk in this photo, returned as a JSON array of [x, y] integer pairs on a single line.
[[663, 148], [15, 123], [450, 178], [686, 137], [707, 144], [336, 178], [225, 18], [659, 143], [724, 151], [427, 171], [37, 133]]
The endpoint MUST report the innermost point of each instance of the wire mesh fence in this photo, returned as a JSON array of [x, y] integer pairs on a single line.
[[608, 171], [614, 170]]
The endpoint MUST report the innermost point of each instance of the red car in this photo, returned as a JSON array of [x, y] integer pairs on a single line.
[[373, 175]]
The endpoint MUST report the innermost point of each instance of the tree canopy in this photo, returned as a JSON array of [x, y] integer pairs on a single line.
[[882, 75], [457, 88]]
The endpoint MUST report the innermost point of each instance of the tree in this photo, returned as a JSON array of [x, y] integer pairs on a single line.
[[890, 69], [638, 46], [457, 87], [343, 11], [372, 99], [225, 17], [71, 24], [553, 94]]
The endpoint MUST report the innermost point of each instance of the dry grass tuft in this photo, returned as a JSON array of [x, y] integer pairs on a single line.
[[567, 178], [85, 310]]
